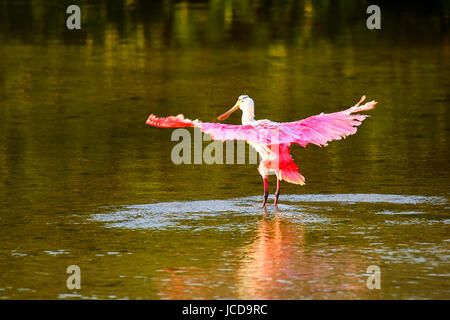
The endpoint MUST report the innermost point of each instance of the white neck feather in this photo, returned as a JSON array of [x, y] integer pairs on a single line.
[[248, 113], [247, 117]]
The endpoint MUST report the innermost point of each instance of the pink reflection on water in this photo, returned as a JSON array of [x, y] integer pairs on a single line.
[[281, 262]]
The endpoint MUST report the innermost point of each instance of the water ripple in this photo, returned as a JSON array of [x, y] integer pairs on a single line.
[[225, 214]]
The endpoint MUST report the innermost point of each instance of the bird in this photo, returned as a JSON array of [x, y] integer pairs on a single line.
[[272, 140]]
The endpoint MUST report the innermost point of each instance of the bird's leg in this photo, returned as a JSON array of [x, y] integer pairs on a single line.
[[277, 193], [266, 191]]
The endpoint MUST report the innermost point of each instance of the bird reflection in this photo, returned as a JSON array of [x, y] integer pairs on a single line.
[[280, 262], [267, 266]]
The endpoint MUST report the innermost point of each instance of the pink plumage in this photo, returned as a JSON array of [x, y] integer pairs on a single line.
[[272, 139]]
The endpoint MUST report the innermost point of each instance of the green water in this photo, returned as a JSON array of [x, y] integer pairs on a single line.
[[84, 182]]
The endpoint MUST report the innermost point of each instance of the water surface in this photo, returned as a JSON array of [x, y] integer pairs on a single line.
[[83, 181]]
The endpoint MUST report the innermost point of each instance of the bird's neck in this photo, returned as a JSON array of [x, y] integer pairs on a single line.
[[248, 116]]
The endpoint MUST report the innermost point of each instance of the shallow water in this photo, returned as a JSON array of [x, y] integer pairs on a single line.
[[83, 181]]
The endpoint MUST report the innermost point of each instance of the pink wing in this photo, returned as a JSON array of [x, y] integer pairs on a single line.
[[317, 129], [325, 127]]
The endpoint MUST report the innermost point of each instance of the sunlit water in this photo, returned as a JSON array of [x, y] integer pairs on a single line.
[[299, 250], [83, 181]]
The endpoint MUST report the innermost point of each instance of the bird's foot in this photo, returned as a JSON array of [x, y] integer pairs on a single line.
[[275, 203]]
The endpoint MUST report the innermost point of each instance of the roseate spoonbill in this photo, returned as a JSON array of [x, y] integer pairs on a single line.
[[272, 139]]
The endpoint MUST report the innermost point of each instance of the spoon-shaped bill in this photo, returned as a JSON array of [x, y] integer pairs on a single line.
[[225, 115]]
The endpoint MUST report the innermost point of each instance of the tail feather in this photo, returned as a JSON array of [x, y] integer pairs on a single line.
[[286, 168], [292, 177]]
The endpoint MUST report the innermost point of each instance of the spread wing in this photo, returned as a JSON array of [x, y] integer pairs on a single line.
[[318, 130]]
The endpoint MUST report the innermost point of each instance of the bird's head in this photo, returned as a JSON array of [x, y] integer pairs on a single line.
[[245, 103]]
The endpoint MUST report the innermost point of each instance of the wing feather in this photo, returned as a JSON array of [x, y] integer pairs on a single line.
[[318, 129]]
